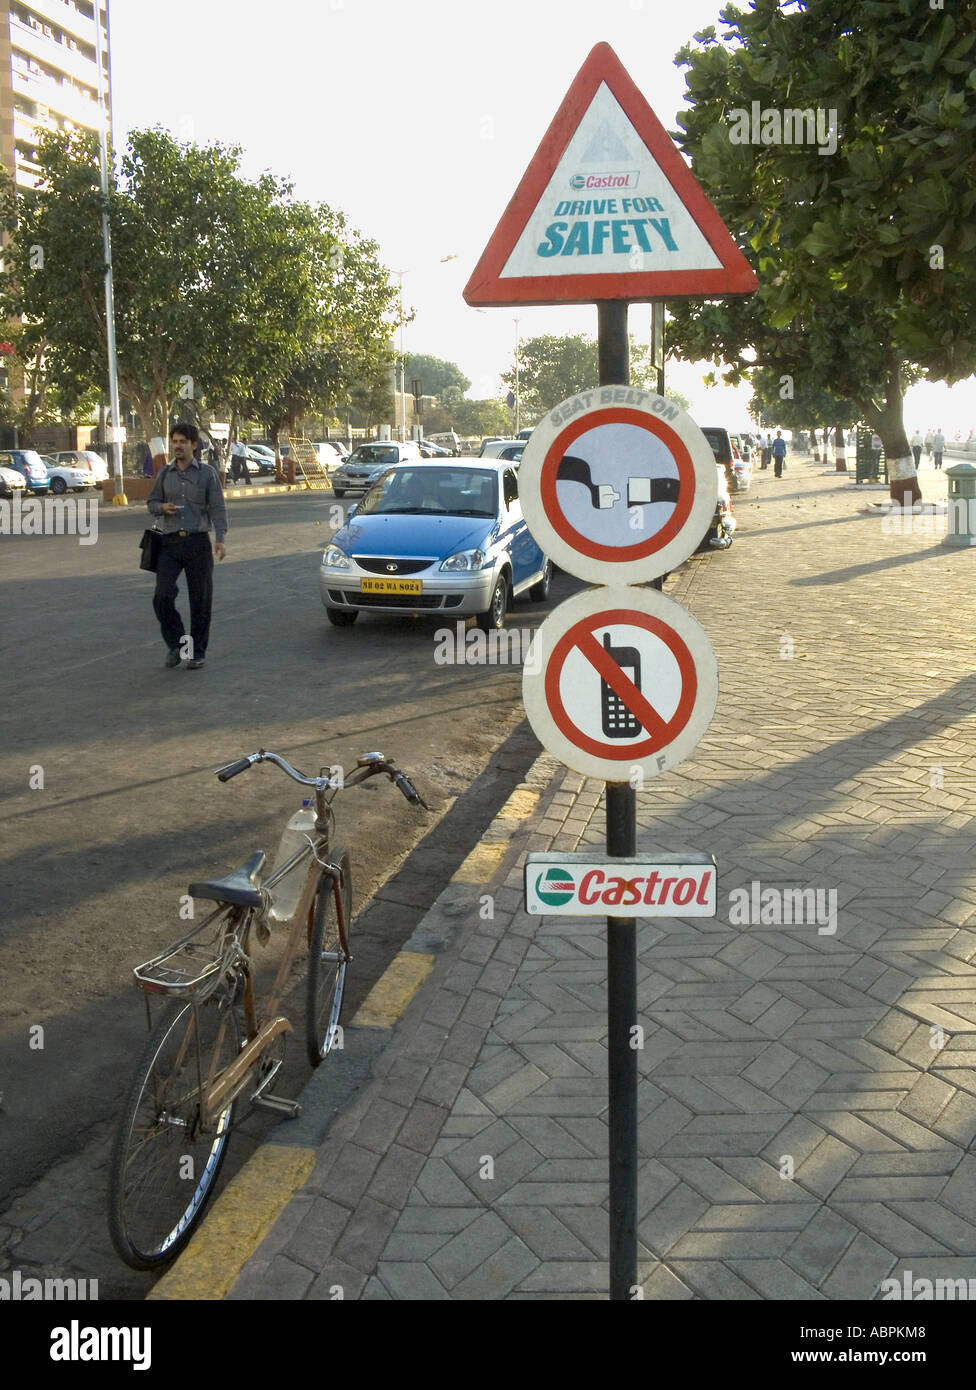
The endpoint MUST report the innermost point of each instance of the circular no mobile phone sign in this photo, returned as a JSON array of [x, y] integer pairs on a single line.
[[618, 485], [621, 680]]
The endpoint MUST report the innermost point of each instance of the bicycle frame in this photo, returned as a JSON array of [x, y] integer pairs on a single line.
[[262, 1032]]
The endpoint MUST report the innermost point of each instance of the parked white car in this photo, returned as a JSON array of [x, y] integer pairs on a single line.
[[11, 482], [81, 458], [65, 477]]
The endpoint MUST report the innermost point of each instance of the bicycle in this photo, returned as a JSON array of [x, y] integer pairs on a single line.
[[212, 1043]]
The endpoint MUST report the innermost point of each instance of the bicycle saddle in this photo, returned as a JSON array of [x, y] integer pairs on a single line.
[[242, 887]]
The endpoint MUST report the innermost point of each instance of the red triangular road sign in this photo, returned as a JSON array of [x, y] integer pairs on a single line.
[[607, 209]]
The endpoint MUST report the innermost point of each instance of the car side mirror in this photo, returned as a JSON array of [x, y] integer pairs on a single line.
[[352, 511]]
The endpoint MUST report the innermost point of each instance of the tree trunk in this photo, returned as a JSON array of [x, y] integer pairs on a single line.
[[840, 450], [888, 421], [814, 446], [274, 432]]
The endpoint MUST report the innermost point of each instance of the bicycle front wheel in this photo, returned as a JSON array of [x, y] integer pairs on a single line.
[[167, 1155], [327, 960]]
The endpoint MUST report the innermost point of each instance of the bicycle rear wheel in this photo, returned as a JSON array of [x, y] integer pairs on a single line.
[[328, 957], [165, 1161]]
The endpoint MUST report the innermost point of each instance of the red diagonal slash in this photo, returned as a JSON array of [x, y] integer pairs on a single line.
[[621, 685]]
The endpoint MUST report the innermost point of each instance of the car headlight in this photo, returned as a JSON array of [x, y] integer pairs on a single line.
[[464, 560], [335, 559]]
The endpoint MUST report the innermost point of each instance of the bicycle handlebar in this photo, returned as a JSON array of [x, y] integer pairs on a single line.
[[376, 764], [224, 774]]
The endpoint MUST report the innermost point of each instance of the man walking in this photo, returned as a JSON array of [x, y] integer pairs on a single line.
[[238, 461], [766, 450], [916, 447], [779, 454], [187, 497], [938, 446]]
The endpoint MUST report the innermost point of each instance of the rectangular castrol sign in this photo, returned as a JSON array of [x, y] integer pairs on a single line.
[[595, 885]]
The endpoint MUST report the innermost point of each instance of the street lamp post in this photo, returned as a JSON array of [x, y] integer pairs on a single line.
[[401, 386], [113, 373], [403, 361], [517, 401]]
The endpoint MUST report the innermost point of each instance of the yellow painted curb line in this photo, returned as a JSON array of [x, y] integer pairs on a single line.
[[391, 994], [241, 1217]]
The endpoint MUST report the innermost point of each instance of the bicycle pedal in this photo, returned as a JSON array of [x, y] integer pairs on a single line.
[[279, 1105]]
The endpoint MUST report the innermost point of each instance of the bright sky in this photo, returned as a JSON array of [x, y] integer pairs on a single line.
[[418, 118]]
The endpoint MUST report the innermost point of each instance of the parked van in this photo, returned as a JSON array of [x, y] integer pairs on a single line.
[[448, 440]]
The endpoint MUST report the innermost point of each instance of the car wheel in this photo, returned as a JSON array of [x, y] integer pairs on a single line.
[[540, 592], [58, 485], [342, 617], [494, 618]]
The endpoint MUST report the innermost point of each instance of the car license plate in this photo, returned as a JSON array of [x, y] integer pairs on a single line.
[[390, 586]]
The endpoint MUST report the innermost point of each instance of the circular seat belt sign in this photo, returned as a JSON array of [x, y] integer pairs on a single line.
[[623, 683], [618, 485]]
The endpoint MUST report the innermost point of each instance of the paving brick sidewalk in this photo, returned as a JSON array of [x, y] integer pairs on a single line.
[[807, 1098]]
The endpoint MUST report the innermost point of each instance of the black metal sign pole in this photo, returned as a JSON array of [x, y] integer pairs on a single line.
[[614, 350]]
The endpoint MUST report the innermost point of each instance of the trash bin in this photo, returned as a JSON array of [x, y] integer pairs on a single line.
[[870, 464], [961, 520]]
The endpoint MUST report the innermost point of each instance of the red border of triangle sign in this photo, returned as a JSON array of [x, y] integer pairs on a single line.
[[487, 285]]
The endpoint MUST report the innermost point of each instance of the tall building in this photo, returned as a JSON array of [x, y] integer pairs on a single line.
[[48, 74]]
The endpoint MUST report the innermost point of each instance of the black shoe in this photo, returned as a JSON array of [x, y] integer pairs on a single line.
[[173, 658], [195, 664]]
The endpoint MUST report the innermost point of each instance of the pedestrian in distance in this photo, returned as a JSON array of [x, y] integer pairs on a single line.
[[928, 443], [147, 463], [238, 462], [766, 450], [938, 446], [779, 454], [188, 499], [916, 446]]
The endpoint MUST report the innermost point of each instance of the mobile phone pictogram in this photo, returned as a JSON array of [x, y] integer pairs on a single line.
[[617, 720]]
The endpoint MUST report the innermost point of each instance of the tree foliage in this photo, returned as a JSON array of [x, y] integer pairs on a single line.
[[226, 290], [552, 368], [439, 378], [864, 253]]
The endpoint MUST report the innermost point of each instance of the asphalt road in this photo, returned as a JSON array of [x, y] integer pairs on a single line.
[[110, 807]]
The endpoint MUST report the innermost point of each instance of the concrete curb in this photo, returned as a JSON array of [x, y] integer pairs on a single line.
[[243, 1214]]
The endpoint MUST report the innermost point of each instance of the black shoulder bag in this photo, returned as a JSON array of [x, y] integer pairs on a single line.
[[152, 539]]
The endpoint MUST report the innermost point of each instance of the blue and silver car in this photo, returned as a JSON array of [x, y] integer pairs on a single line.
[[435, 538], [29, 464], [360, 469]]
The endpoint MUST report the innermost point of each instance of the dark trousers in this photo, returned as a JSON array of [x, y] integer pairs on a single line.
[[766, 455], [191, 554], [938, 459], [239, 469], [778, 462]]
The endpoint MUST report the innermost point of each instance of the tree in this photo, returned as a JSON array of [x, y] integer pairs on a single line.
[[552, 368], [225, 290], [860, 224], [470, 418], [438, 377], [808, 410]]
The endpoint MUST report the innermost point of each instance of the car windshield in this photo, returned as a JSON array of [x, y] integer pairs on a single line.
[[375, 453], [435, 490]]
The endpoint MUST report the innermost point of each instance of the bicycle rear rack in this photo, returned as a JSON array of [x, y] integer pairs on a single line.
[[188, 967]]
